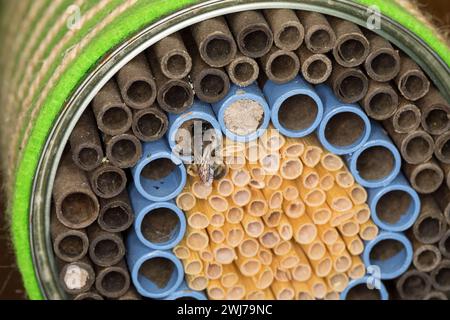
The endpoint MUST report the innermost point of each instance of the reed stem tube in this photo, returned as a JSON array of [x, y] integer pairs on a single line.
[[243, 70], [113, 281], [319, 35], [316, 68], [412, 83], [350, 85], [69, 245], [430, 226], [381, 100], [426, 257], [105, 249], [108, 181], [425, 177], [383, 62], [123, 150], [116, 214], [280, 66], [407, 117], [435, 113], [288, 32]]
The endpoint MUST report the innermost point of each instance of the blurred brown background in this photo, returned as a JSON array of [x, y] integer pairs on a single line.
[[10, 282]]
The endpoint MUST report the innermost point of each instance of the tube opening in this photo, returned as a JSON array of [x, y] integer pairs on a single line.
[[408, 120], [429, 227], [383, 64], [428, 179], [160, 177], [351, 50], [160, 225], [413, 285], [244, 71], [212, 85], [176, 65], [320, 39], [113, 282], [382, 104], [394, 206], [218, 50], [306, 233], [442, 277], [88, 157], [389, 255], [78, 208], [109, 182], [375, 163], [256, 42], [351, 86], [437, 120], [149, 125], [106, 250], [115, 118], [157, 275], [247, 109], [140, 92], [289, 35], [419, 149], [71, 246], [317, 69], [344, 129], [115, 217], [177, 97], [413, 84], [298, 112], [124, 151], [283, 67], [427, 259], [362, 292]]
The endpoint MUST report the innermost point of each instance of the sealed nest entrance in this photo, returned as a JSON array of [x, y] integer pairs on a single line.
[[244, 117]]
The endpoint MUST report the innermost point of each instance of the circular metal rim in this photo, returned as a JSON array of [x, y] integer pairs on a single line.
[[40, 202]]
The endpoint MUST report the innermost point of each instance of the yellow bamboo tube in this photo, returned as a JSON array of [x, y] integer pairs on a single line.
[[265, 256], [332, 295], [303, 270], [313, 197], [234, 234], [269, 238], [249, 267], [358, 269], [282, 248], [294, 208], [258, 205], [241, 196], [354, 244], [181, 251], [248, 247], [289, 260], [206, 254], [337, 247], [264, 278], [230, 275], [326, 179], [269, 294], [256, 295], [196, 217], [292, 148], [234, 214], [338, 200], [302, 291], [342, 262], [224, 186], [236, 292], [317, 287], [362, 213], [216, 234], [273, 181], [311, 156], [319, 215], [291, 168], [305, 231], [283, 290], [310, 178], [285, 229], [197, 282], [349, 228], [255, 184], [270, 162], [289, 189], [213, 270], [240, 177], [274, 198], [280, 274], [198, 188], [273, 217], [196, 239], [271, 140], [357, 194], [338, 218], [253, 226], [217, 202], [331, 162], [193, 264], [252, 292], [323, 266], [252, 151], [256, 171], [368, 231], [215, 290], [235, 161], [231, 147], [186, 200], [337, 281], [344, 178], [327, 234], [223, 253], [314, 250]]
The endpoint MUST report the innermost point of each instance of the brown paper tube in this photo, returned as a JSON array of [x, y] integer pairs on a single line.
[[439, 276], [210, 84], [444, 244], [150, 124], [435, 295], [123, 150], [214, 41], [426, 257], [368, 231], [248, 247], [76, 205], [316, 67], [337, 281], [283, 290], [173, 56], [193, 265], [106, 248], [90, 295], [352, 47], [407, 117], [285, 229], [425, 177], [280, 66], [69, 245], [358, 269], [131, 294], [446, 168], [230, 275], [196, 239], [116, 214], [241, 196], [112, 115], [442, 197], [215, 290], [362, 213], [381, 100], [411, 81], [273, 217], [302, 291], [413, 285], [234, 214], [416, 146], [442, 149], [252, 33], [243, 70], [349, 84], [136, 83], [383, 62], [108, 181], [319, 36], [269, 238], [77, 277], [213, 270], [430, 225], [288, 32], [85, 144], [223, 253], [435, 112], [113, 281], [174, 95]]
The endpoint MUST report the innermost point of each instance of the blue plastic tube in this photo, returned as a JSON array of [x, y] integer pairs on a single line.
[[199, 110], [252, 92], [143, 207], [160, 189], [138, 256], [378, 139], [365, 281], [397, 191], [397, 251], [333, 108], [183, 292], [298, 103]]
